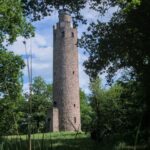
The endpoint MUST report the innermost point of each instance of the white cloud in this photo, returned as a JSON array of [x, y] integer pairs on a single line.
[[83, 77], [42, 62], [42, 56], [26, 87], [39, 40], [42, 49]]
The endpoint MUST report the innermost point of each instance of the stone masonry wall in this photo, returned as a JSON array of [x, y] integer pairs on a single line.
[[65, 75]]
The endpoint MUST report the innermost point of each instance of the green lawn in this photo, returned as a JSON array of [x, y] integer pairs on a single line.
[[56, 141]]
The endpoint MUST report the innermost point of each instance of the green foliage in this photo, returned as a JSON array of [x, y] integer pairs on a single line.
[[118, 111], [36, 10], [62, 140], [100, 125], [10, 74], [86, 112], [10, 91], [122, 44], [103, 6], [55, 141], [12, 22], [133, 110], [41, 101], [15, 14]]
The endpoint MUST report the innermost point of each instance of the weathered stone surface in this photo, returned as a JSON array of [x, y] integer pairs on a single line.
[[52, 119], [65, 75]]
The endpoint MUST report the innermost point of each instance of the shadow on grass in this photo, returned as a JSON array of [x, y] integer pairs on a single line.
[[54, 144], [62, 143]]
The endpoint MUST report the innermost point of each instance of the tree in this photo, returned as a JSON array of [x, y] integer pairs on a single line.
[[12, 22], [86, 111], [10, 91], [122, 43], [36, 10], [10, 75], [41, 101], [117, 111], [133, 110], [96, 99]]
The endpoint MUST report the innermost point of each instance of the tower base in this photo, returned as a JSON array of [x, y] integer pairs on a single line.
[[53, 120]]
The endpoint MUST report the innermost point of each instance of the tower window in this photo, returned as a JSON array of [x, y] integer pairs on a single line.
[[73, 72], [75, 120], [74, 105], [55, 103], [63, 33], [49, 119], [72, 34]]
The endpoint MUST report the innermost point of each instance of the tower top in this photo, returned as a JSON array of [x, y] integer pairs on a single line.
[[64, 16]]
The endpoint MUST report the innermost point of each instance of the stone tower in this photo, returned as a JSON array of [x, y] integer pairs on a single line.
[[66, 101]]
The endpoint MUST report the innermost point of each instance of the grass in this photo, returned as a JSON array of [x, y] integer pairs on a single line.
[[48, 141], [57, 141]]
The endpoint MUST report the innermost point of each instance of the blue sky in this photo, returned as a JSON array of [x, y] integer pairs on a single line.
[[42, 47]]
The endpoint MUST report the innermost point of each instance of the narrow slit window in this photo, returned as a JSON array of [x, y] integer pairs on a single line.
[[75, 120], [55, 103], [63, 33], [74, 105], [72, 34], [73, 72]]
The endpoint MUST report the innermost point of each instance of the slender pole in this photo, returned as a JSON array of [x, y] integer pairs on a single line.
[[30, 112], [30, 94]]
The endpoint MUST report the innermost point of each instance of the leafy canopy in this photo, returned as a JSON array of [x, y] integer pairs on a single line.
[[13, 22], [10, 91]]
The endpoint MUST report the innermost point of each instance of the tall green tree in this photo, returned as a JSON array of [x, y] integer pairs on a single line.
[[41, 102], [41, 99], [10, 75], [122, 43], [13, 22], [10, 91], [96, 99], [117, 111], [86, 111]]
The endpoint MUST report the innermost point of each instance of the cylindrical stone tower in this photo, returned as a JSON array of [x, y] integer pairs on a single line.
[[65, 74]]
